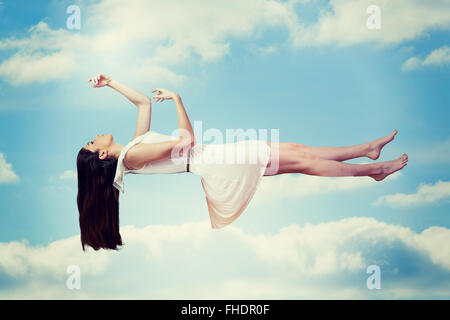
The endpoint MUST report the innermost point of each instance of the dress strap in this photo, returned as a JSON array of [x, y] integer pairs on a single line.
[[121, 169]]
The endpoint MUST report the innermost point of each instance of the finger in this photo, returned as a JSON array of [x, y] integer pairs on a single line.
[[162, 100], [98, 77]]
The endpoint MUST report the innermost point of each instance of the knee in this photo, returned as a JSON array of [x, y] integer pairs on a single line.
[[307, 162], [294, 146], [301, 151], [304, 155]]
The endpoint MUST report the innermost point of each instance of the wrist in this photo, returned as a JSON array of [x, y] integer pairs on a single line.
[[109, 82]]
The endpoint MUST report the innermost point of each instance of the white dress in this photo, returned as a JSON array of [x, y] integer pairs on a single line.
[[230, 173]]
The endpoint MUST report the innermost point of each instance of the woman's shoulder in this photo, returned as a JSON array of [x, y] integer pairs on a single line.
[[130, 158], [127, 164], [128, 161], [124, 157]]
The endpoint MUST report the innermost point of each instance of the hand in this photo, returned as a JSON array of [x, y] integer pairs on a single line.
[[100, 80], [164, 94]]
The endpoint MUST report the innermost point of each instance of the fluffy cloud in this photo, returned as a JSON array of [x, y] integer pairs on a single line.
[[44, 55], [24, 69], [150, 43], [343, 22], [154, 38], [438, 57], [6, 172], [425, 194], [192, 261], [68, 174], [264, 51]]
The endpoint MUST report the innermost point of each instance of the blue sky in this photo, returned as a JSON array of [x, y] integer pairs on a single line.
[[311, 69]]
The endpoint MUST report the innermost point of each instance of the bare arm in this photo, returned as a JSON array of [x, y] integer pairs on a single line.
[[183, 119], [184, 124], [141, 154], [140, 100], [136, 97]]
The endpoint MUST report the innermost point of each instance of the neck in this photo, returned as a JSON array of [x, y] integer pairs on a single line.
[[115, 150]]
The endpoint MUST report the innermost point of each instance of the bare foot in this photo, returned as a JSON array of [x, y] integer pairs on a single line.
[[376, 145], [389, 167]]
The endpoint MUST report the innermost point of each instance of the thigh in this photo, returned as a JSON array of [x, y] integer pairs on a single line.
[[285, 157]]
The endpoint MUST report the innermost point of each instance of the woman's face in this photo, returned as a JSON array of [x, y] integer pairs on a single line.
[[99, 143]]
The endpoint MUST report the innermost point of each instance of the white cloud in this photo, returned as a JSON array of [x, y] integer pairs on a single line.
[[68, 174], [343, 22], [25, 69], [438, 57], [7, 173], [265, 51], [149, 43], [425, 194], [326, 260], [153, 46]]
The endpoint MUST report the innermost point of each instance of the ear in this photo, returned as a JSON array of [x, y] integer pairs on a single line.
[[103, 155]]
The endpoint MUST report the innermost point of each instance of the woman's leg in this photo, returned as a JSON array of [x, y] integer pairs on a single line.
[[291, 158], [369, 149]]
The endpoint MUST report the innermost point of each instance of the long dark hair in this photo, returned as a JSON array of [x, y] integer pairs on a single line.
[[98, 201]]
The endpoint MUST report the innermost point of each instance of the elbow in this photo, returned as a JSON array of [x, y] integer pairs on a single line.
[[145, 102], [186, 141], [192, 142]]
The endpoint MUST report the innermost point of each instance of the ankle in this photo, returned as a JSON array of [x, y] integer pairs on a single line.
[[378, 168], [369, 146]]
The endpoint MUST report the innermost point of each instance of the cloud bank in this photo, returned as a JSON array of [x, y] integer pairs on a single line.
[[192, 261], [155, 46]]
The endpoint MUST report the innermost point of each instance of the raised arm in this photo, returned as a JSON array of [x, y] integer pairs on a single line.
[[183, 120], [141, 154], [140, 100]]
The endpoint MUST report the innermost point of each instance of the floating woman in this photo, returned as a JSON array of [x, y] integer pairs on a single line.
[[228, 185]]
